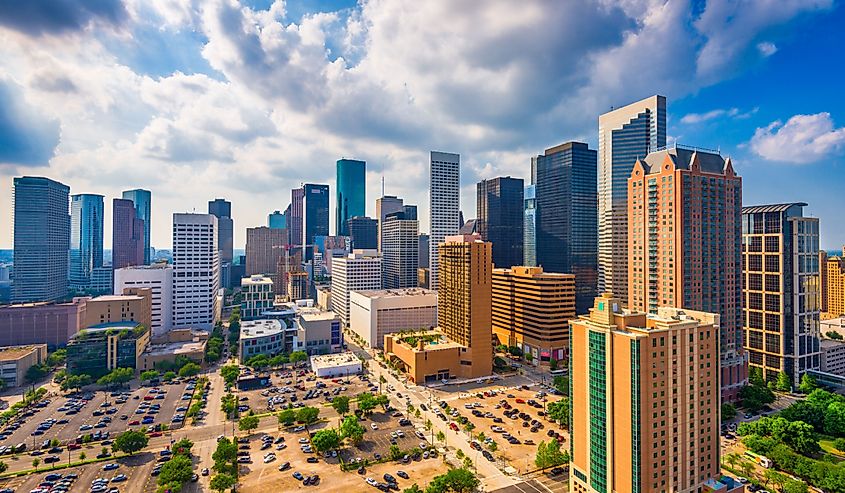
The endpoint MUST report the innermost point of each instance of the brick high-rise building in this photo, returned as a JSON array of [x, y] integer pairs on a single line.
[[644, 419], [264, 247], [834, 287], [532, 309], [500, 211], [128, 231], [684, 244], [781, 290]]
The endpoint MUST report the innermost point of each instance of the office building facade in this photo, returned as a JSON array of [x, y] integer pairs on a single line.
[[781, 290], [363, 232], [41, 323], [158, 278], [86, 239], [294, 220], [444, 206], [833, 291], [684, 238], [256, 296], [400, 251], [277, 220], [128, 246], [625, 135], [531, 310], [315, 216], [222, 210], [361, 270], [422, 242], [529, 231], [264, 249], [351, 196], [374, 314], [643, 418], [387, 204], [566, 236], [500, 213], [41, 239], [142, 200], [196, 271]]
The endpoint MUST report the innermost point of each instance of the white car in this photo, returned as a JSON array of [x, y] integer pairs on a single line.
[[371, 481], [400, 433], [373, 426], [420, 434], [269, 458], [423, 445]]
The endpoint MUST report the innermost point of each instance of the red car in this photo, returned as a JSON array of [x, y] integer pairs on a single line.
[[134, 422], [73, 446], [520, 401], [453, 426], [155, 434]]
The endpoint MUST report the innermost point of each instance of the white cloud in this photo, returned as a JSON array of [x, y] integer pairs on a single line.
[[732, 113], [767, 49], [802, 139]]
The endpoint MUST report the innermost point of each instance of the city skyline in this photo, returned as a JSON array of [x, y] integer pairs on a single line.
[[131, 134]]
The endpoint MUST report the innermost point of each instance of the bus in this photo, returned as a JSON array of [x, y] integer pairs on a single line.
[[762, 460]]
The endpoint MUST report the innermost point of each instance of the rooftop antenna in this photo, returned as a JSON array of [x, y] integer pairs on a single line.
[[382, 179]]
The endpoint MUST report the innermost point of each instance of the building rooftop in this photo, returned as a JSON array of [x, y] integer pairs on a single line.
[[176, 348], [711, 161], [260, 328], [330, 360], [258, 279], [753, 209], [396, 293], [157, 265], [834, 322], [9, 353], [831, 344], [117, 297], [127, 324], [313, 314], [432, 340]]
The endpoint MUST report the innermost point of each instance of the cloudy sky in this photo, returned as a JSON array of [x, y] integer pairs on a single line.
[[202, 99]]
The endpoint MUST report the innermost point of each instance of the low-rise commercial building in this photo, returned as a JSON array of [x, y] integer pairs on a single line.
[[41, 323], [134, 305], [158, 278], [260, 337], [318, 331], [428, 357], [97, 350], [256, 296], [832, 325], [324, 297], [374, 314], [176, 344], [335, 365], [16, 360], [833, 357]]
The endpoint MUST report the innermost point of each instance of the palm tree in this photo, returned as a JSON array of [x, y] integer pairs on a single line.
[[381, 380]]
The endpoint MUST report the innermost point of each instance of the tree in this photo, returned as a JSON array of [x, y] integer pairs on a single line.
[[177, 470], [341, 404], [287, 417], [728, 411], [248, 423], [230, 374], [381, 380], [149, 375], [224, 457], [130, 441], [732, 459], [459, 480], [36, 372], [784, 383], [75, 382], [189, 370], [57, 358], [755, 376], [515, 351], [839, 444], [440, 436], [297, 357], [529, 357], [35, 463], [3, 467], [307, 415], [832, 334], [222, 482], [118, 376], [229, 404], [774, 477], [324, 440], [561, 384], [747, 469], [395, 452], [182, 447], [808, 384], [169, 375], [366, 402], [559, 412], [834, 419], [795, 486], [412, 489], [82, 456], [351, 429], [549, 455]]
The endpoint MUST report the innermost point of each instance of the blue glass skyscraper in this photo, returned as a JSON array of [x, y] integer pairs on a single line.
[[143, 201], [86, 239], [566, 217], [315, 216], [277, 220], [351, 193]]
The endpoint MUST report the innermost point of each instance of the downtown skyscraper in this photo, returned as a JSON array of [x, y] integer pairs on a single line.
[[684, 243], [400, 250], [128, 231], [41, 239], [294, 218], [142, 200], [196, 271], [444, 205], [386, 204], [625, 135], [222, 210], [500, 209], [565, 232], [351, 193], [315, 216], [86, 239]]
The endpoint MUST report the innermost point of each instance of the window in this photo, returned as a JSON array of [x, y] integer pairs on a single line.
[[772, 283], [772, 244], [772, 263]]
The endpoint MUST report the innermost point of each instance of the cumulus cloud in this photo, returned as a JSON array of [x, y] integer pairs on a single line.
[[38, 18], [767, 49], [733, 113], [26, 137], [802, 139]]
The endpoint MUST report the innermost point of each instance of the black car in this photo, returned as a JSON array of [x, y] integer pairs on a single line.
[[389, 478], [285, 466], [312, 460], [297, 475], [51, 459], [557, 470]]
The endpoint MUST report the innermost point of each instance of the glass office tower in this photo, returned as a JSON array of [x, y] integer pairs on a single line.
[[143, 201], [351, 193], [86, 239]]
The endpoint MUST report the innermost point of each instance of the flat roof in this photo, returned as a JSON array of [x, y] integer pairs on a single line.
[[176, 348], [112, 325], [830, 343], [332, 360], [396, 293], [317, 314], [117, 297], [260, 328], [9, 353]]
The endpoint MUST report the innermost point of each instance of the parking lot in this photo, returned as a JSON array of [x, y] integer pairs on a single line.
[[290, 387], [388, 432], [101, 414]]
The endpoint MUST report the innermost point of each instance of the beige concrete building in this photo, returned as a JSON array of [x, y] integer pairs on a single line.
[[16, 360], [42, 322], [134, 305], [177, 343], [256, 296], [297, 286], [374, 314], [531, 310], [324, 297], [644, 400], [833, 287]]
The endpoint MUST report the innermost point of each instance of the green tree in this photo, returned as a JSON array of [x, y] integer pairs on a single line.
[[755, 376], [222, 482], [148, 375], [130, 441], [75, 382], [515, 351], [248, 423], [351, 429], [553, 364], [169, 375], [82, 456], [178, 470], [832, 334], [229, 404], [287, 417], [550, 455], [529, 357], [440, 436], [327, 439], [834, 419], [57, 358], [118, 376], [784, 383], [839, 444], [561, 383], [808, 384], [732, 459], [728, 411], [341, 404], [189, 370], [459, 480], [298, 356], [412, 489], [559, 412], [795, 486], [225, 457], [395, 452], [774, 477], [366, 402], [3, 467], [35, 462], [182, 447], [230, 374], [36, 372], [307, 415]]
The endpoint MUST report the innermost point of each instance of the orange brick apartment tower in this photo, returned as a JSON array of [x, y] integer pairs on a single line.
[[684, 245], [644, 400], [463, 299]]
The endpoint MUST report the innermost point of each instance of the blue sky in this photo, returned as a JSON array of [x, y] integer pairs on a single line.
[[202, 99]]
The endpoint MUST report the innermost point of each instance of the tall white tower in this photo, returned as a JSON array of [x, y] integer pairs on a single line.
[[444, 205], [196, 271]]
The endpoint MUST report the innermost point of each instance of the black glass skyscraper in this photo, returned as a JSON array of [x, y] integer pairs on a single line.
[[567, 218], [315, 215], [500, 214], [351, 192], [363, 231]]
